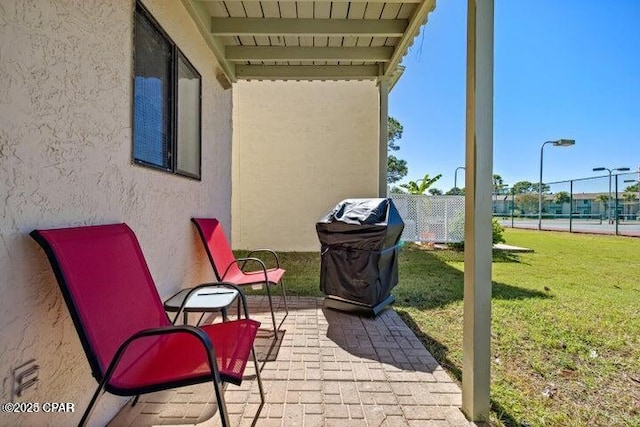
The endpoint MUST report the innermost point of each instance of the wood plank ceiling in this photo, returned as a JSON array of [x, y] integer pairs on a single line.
[[310, 40]]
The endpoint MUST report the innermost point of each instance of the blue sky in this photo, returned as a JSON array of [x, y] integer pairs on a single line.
[[563, 69]]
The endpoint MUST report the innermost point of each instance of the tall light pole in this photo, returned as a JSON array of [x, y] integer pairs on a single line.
[[600, 169], [557, 143], [455, 176]]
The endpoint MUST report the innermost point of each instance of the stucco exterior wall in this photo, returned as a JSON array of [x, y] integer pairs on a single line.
[[65, 159], [298, 149]]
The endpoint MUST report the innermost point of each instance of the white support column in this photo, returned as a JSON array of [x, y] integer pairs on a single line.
[[478, 233], [383, 89]]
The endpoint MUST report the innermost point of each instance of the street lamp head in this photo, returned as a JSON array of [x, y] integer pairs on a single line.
[[629, 180], [610, 212], [556, 143], [564, 142]]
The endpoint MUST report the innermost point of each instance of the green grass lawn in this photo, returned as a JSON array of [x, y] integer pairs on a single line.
[[565, 328]]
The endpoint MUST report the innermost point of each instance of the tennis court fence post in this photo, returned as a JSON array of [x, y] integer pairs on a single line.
[[571, 206], [513, 204], [617, 217]]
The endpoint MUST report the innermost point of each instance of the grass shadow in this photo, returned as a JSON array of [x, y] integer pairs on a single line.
[[506, 256], [456, 255], [441, 353], [438, 350], [427, 281]]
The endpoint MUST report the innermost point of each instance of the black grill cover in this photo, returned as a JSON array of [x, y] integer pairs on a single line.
[[359, 239]]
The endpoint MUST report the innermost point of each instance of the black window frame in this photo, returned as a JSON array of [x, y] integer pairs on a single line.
[[171, 103]]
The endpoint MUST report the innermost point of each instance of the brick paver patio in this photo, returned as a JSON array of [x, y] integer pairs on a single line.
[[327, 369]]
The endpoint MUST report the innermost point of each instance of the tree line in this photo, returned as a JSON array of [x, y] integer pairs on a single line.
[[525, 192]]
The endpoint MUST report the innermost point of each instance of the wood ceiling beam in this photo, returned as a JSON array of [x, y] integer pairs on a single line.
[[308, 27], [307, 72], [312, 1], [273, 53]]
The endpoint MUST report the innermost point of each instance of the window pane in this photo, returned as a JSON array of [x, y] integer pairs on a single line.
[[188, 116], [152, 95]]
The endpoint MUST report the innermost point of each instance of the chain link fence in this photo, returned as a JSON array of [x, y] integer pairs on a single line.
[[602, 204], [431, 219], [608, 204]]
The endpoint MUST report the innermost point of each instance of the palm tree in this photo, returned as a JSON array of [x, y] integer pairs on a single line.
[[420, 186], [603, 198], [498, 184]]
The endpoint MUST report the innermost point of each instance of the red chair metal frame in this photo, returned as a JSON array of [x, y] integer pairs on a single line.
[[229, 269], [96, 267]]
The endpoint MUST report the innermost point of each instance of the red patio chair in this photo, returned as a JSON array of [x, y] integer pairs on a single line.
[[130, 344], [229, 269]]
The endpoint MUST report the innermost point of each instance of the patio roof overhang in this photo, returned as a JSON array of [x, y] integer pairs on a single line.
[[366, 40], [310, 39]]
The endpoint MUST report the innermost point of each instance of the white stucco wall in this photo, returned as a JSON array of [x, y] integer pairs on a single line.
[[298, 149], [65, 159]]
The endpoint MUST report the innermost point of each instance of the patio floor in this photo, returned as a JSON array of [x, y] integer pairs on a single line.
[[327, 369]]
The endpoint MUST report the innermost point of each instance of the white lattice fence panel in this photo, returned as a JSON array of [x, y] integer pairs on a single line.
[[437, 219]]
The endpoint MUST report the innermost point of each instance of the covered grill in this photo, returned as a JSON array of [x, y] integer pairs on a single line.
[[359, 254]]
